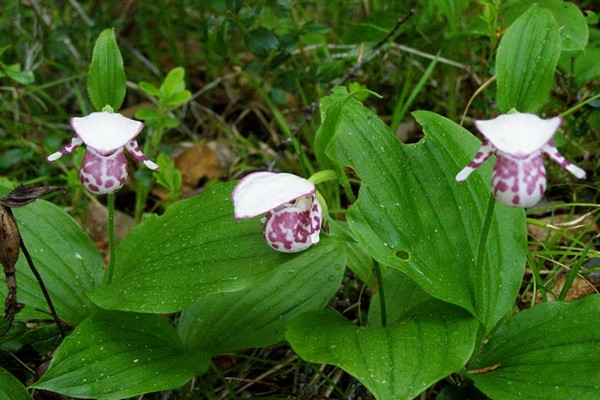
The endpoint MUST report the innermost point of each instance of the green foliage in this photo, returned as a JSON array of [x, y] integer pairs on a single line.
[[11, 388], [106, 77], [526, 59], [547, 352], [394, 362], [114, 355], [400, 213], [69, 263], [192, 250], [258, 315], [168, 176]]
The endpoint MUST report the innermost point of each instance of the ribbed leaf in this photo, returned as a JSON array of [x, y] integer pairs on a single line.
[[548, 352], [257, 316], [525, 61], [116, 355], [106, 76], [11, 388], [65, 256], [396, 362], [193, 249], [413, 216]]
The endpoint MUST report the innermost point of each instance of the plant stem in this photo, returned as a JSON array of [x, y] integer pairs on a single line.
[[43, 288], [485, 231], [108, 274], [381, 293]]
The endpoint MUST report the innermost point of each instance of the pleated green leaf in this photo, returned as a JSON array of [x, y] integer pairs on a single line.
[[11, 388], [412, 215], [65, 256], [396, 362], [258, 315], [106, 76], [195, 248], [548, 352], [526, 60], [116, 355]]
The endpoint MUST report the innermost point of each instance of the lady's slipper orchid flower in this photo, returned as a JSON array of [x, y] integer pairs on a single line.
[[518, 140], [104, 166], [293, 215]]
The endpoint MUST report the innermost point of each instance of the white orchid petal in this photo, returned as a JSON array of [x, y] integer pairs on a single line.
[[519, 134], [260, 192], [105, 132]]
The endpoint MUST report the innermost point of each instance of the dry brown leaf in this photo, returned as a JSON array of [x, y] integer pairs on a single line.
[[197, 163], [556, 223]]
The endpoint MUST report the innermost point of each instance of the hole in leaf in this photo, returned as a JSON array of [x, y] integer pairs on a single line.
[[402, 254]]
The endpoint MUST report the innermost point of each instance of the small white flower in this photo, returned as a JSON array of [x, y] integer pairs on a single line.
[[518, 140], [293, 215], [104, 166]]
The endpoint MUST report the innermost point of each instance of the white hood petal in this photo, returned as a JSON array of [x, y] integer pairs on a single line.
[[260, 192], [519, 134], [105, 132]]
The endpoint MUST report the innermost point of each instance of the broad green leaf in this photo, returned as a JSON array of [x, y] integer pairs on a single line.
[[412, 215], [401, 295], [258, 315], [106, 77], [548, 352], [11, 388], [195, 248], [396, 362], [525, 61], [115, 355], [573, 25], [146, 113], [65, 256]]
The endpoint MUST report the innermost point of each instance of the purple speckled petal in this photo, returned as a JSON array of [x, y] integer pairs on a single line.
[[134, 149], [519, 134], [519, 182], [260, 192], [552, 152], [294, 228], [73, 144], [106, 132], [103, 174], [484, 152]]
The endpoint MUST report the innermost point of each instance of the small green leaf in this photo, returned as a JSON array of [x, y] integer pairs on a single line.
[[65, 256], [177, 98], [261, 41], [11, 388], [173, 83], [115, 355], [150, 89], [257, 316], [547, 352], [106, 77], [193, 249], [396, 362], [146, 113], [526, 60], [23, 77]]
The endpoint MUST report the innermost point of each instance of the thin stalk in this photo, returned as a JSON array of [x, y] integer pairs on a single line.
[[110, 270], [485, 232], [43, 288], [381, 293]]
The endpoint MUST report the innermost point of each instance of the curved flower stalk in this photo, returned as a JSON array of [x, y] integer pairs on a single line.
[[104, 166], [293, 215], [518, 140]]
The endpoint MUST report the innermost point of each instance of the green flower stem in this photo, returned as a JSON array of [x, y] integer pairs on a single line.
[[110, 270], [323, 176], [381, 293], [485, 231]]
